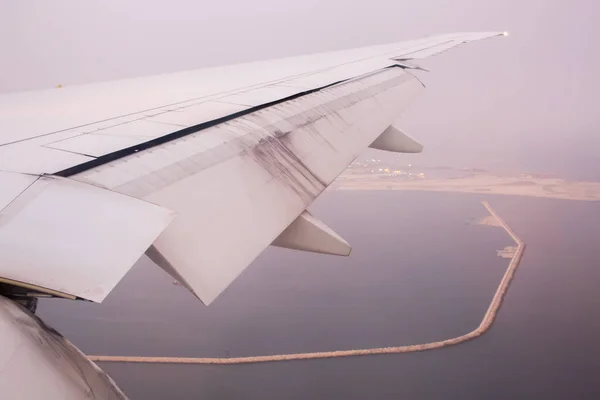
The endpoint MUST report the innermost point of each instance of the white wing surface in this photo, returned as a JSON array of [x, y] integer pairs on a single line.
[[201, 169]]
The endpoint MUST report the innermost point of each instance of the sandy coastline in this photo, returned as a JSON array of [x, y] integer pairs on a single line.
[[522, 185]]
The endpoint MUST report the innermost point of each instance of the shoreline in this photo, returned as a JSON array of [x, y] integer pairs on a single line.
[[478, 184]]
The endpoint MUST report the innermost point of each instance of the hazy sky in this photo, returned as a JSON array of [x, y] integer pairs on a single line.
[[526, 102]]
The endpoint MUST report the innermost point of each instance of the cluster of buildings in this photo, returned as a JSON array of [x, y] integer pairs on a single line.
[[381, 168]]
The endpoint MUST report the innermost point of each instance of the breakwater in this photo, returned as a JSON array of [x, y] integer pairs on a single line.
[[484, 326]]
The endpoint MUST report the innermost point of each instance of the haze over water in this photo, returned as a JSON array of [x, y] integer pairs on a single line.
[[420, 271]]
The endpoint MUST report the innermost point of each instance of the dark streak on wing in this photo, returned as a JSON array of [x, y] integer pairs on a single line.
[[281, 162], [193, 129], [176, 135]]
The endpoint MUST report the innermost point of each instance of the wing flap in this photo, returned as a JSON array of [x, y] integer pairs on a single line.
[[75, 238], [223, 223]]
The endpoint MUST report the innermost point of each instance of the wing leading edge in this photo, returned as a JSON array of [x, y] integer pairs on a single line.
[[205, 178]]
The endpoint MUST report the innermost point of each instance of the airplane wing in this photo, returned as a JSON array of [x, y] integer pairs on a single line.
[[201, 170]]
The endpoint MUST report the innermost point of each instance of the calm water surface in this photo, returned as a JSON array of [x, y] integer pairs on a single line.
[[420, 271]]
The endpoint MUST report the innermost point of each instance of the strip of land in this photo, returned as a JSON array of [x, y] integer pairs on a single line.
[[483, 327], [486, 183]]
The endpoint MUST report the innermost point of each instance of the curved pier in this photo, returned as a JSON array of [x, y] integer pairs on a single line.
[[485, 324]]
